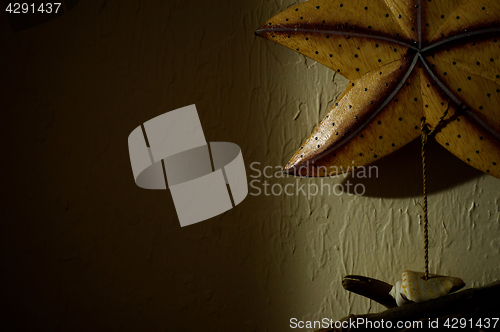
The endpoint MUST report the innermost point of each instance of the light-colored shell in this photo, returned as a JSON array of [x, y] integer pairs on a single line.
[[413, 288]]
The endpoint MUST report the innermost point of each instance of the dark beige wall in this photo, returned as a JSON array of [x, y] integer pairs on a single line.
[[84, 249]]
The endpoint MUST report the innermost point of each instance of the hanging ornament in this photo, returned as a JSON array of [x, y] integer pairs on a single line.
[[416, 68]]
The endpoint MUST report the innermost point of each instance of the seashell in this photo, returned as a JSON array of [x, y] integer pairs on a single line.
[[413, 288]]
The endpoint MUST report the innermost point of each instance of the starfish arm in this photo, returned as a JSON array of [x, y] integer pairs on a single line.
[[461, 134], [336, 35], [469, 15], [434, 14], [365, 124], [473, 135], [473, 80]]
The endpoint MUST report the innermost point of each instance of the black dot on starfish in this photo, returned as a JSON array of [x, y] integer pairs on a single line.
[[494, 40], [468, 159], [337, 133], [379, 60], [483, 8], [481, 138], [442, 16], [376, 45], [445, 73], [341, 5], [316, 52], [480, 107], [494, 163], [380, 122], [362, 136], [395, 50], [458, 17], [416, 127], [366, 89], [338, 70], [301, 156], [348, 37], [315, 138], [488, 94], [319, 145], [380, 73], [355, 55], [296, 49], [393, 144], [442, 103], [352, 84], [385, 84], [426, 24], [301, 147], [469, 78], [400, 119], [407, 84], [399, 16], [498, 90], [375, 156], [498, 76], [371, 101], [415, 99], [459, 136], [478, 63], [477, 151], [333, 124], [396, 100], [458, 119], [386, 15], [447, 144], [428, 85], [288, 36], [426, 106], [336, 104], [366, 8], [369, 27], [317, 7], [324, 22], [307, 38], [412, 29], [454, 63], [331, 55], [459, 89], [492, 60], [296, 9], [350, 106], [340, 45], [380, 137]]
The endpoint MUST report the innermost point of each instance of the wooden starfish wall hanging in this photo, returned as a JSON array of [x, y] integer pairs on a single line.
[[406, 60]]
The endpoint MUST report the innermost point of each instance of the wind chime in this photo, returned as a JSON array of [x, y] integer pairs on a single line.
[[416, 68]]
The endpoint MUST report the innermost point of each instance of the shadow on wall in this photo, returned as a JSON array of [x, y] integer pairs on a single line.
[[400, 173]]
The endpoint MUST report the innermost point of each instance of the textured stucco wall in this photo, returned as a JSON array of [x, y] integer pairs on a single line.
[[82, 248]]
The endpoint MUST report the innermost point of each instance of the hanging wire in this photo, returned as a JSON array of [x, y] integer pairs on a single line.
[[424, 135]]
